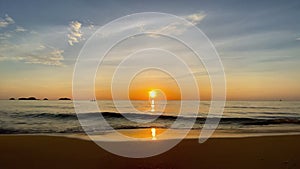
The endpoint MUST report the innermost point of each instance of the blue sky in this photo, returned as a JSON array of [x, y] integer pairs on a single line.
[[258, 42]]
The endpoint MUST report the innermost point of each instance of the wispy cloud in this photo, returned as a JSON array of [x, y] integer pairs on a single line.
[[18, 44], [178, 28], [5, 35], [7, 20], [173, 28], [195, 18], [20, 29], [159, 25], [47, 56], [75, 35], [32, 53], [298, 38], [10, 28]]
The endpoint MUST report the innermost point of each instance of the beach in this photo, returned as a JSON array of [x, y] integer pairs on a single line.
[[48, 135], [55, 152], [149, 84]]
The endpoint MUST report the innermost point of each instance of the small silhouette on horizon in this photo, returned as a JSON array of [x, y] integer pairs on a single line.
[[34, 98], [64, 98], [27, 98]]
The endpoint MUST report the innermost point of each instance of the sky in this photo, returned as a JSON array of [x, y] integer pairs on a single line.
[[258, 43]]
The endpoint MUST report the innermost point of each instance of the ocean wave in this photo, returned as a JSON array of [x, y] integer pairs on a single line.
[[50, 115], [261, 120], [39, 131], [252, 107], [116, 122]]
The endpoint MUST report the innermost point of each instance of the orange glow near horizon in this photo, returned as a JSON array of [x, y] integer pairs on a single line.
[[144, 86], [239, 87], [149, 80]]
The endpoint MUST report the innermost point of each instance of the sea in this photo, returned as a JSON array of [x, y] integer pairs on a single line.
[[58, 117]]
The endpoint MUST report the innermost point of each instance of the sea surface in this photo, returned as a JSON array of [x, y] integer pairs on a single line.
[[59, 117]]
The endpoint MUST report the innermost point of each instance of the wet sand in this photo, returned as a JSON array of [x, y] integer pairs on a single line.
[[33, 151]]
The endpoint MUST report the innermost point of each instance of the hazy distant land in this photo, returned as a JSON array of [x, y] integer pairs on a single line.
[[34, 98]]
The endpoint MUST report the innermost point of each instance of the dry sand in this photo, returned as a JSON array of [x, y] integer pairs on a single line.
[[42, 152]]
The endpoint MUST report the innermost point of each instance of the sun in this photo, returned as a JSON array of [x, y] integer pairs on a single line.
[[152, 94]]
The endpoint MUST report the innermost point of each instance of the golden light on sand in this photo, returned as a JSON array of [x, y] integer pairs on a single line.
[[152, 94], [153, 132]]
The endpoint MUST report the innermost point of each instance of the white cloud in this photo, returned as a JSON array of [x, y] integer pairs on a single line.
[[7, 20], [297, 38], [31, 53], [20, 29], [5, 35], [28, 50], [75, 35], [27, 47], [195, 18], [177, 28], [91, 26], [51, 57], [12, 28], [173, 28], [161, 25]]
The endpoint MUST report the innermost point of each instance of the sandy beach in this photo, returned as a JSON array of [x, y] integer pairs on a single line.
[[34, 151]]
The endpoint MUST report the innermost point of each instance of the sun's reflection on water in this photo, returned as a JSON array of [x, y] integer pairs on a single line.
[[153, 132]]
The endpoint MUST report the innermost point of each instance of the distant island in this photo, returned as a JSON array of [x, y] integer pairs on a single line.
[[27, 98], [64, 98], [33, 98]]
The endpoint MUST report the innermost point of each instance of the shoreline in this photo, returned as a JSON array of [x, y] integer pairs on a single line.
[[40, 151], [145, 134]]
